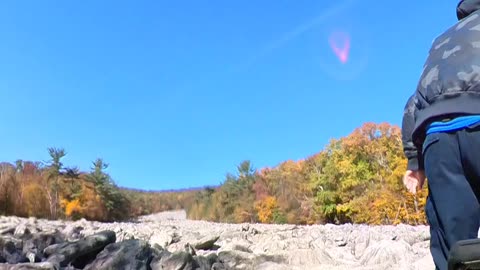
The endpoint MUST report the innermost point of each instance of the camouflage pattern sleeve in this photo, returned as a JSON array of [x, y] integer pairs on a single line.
[[412, 153]]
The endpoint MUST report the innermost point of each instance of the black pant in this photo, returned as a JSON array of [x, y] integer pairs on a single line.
[[452, 167]]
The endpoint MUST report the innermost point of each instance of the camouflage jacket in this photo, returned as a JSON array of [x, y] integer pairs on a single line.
[[449, 84]]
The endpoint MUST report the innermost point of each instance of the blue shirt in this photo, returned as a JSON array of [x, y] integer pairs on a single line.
[[454, 124]]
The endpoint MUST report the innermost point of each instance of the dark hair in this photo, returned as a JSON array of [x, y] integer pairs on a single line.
[[467, 7]]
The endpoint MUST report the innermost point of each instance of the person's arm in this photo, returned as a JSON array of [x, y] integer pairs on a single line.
[[412, 153]]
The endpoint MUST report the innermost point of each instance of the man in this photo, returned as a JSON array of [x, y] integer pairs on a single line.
[[441, 134]]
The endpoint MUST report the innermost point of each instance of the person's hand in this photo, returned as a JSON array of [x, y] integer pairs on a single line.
[[412, 179]]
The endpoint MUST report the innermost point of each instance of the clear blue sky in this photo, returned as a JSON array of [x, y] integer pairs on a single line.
[[174, 94]]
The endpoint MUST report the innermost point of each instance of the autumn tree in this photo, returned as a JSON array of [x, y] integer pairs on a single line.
[[360, 178], [54, 172], [233, 201], [245, 211], [72, 175], [7, 187], [32, 199], [114, 201], [267, 210]]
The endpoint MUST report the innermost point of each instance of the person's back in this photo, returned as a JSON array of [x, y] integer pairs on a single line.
[[441, 133], [450, 81]]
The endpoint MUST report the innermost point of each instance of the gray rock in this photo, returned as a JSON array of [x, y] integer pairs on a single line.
[[172, 261], [21, 230], [388, 252], [272, 266], [310, 257], [36, 243], [205, 262], [29, 266], [129, 254], [237, 259], [11, 254], [170, 241], [72, 232], [206, 242], [67, 252], [7, 230], [219, 266], [163, 239]]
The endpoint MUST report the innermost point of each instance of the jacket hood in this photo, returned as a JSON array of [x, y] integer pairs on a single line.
[[467, 7]]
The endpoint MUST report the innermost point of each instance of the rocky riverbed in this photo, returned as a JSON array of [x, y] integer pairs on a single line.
[[170, 241]]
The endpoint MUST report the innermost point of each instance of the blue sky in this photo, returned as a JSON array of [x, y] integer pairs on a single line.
[[174, 94]]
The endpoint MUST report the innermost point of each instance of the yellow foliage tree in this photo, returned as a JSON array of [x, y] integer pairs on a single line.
[[36, 203], [265, 209], [72, 208]]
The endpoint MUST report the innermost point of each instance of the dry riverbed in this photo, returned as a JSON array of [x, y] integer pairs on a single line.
[[170, 241]]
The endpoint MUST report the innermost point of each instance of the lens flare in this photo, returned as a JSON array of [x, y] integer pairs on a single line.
[[341, 51], [340, 45]]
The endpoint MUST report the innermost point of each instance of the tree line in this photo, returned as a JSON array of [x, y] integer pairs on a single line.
[[354, 179], [52, 190]]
